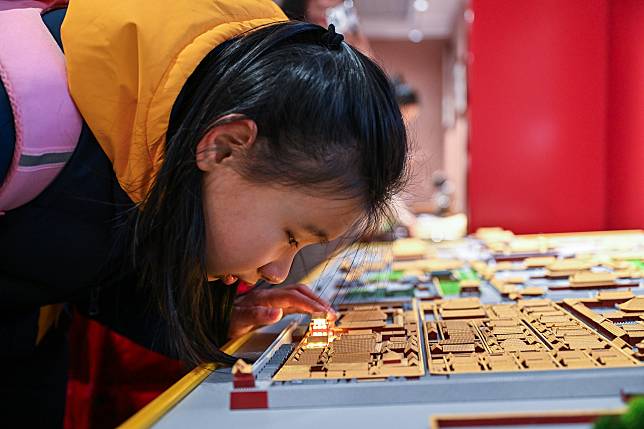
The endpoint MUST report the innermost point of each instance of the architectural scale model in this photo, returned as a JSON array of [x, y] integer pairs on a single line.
[[547, 327], [535, 276], [367, 342], [618, 316], [493, 303], [463, 335], [515, 267]]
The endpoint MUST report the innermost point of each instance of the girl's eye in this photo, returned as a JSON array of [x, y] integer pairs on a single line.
[[291, 239]]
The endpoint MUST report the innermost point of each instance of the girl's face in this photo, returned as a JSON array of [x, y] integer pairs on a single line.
[[253, 231]]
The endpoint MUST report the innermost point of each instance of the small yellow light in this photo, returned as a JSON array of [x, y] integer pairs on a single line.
[[320, 332]]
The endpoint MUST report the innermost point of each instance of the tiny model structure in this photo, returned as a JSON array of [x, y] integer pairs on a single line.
[[465, 336], [616, 315], [320, 332], [367, 342], [536, 276], [243, 374], [245, 395]]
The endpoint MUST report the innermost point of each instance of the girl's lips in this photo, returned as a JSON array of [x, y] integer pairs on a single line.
[[244, 286]]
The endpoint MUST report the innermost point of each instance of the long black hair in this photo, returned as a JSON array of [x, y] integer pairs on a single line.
[[327, 122]]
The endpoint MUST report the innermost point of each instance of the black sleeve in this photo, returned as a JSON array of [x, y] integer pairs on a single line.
[[18, 330]]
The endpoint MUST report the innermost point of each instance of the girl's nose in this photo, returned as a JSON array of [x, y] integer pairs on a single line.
[[276, 272]]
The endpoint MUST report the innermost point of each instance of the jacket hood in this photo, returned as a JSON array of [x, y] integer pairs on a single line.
[[128, 60]]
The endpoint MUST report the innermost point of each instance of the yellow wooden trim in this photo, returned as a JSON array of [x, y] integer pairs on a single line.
[[156, 409]]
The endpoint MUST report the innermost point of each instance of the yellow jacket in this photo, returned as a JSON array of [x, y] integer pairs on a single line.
[[127, 61]]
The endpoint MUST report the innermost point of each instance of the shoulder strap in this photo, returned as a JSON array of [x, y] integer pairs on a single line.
[[47, 123]]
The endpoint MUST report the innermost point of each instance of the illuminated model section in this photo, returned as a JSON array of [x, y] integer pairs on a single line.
[[463, 336], [320, 331], [367, 342]]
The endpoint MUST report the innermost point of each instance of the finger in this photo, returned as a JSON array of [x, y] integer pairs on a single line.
[[331, 313], [306, 291], [283, 297], [321, 305], [259, 315], [292, 298], [246, 318]]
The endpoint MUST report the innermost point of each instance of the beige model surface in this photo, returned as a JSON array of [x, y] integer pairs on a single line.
[[618, 316], [463, 335], [368, 342]]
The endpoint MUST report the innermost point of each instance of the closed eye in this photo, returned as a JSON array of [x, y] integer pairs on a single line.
[[291, 239]]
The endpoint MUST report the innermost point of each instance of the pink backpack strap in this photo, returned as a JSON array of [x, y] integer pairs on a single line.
[[47, 123]]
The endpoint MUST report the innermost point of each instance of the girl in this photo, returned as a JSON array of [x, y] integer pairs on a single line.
[[217, 140]]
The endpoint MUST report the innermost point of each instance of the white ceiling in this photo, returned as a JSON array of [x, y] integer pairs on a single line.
[[394, 19]]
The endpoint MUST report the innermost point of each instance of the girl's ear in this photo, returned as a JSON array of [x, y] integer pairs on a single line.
[[224, 142]]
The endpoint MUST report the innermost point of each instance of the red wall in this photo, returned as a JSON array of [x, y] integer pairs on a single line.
[[537, 94], [625, 149]]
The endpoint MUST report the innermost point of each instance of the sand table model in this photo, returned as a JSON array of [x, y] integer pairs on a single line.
[[465, 336], [367, 342], [494, 330], [616, 315]]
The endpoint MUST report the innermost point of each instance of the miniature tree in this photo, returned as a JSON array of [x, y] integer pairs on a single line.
[[633, 418]]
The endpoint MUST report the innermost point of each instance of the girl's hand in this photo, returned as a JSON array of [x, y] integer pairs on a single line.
[[266, 306]]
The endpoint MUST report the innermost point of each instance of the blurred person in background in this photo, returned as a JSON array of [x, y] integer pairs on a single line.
[[341, 13]]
